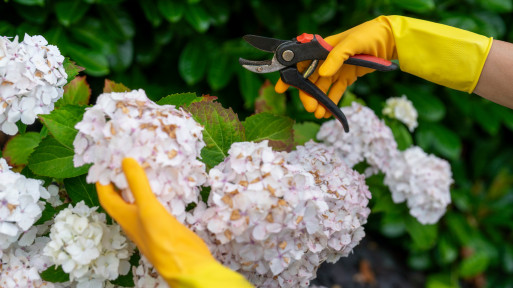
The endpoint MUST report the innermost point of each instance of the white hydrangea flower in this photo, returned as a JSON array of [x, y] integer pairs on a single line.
[[31, 79], [146, 276], [368, 139], [346, 194], [423, 181], [21, 266], [88, 249], [20, 205], [271, 215], [402, 109], [165, 140]]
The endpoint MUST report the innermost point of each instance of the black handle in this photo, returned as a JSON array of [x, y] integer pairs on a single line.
[[291, 76]]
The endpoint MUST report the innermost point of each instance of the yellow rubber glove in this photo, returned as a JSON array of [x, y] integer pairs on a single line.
[[439, 53], [178, 254]]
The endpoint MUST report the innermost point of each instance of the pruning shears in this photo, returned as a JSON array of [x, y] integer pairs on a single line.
[[287, 53]]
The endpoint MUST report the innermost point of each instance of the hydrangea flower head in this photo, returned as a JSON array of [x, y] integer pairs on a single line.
[[20, 204], [368, 139], [88, 249], [423, 181], [31, 79], [402, 109], [145, 275], [166, 141]]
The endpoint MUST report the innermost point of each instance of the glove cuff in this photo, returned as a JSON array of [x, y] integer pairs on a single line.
[[442, 54]]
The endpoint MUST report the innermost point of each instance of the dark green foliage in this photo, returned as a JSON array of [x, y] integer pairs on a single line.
[[172, 46]]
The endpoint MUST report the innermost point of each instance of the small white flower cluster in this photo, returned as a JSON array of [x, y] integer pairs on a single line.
[[268, 217], [402, 109], [166, 141], [20, 205], [31, 79], [20, 266], [146, 276], [88, 249], [368, 139], [422, 181]]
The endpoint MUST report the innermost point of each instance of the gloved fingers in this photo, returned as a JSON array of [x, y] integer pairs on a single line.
[[281, 87], [324, 84], [335, 94], [139, 185], [308, 101], [335, 59]]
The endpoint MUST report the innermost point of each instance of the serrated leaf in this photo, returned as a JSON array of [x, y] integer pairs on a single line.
[[79, 190], [71, 69], [111, 86], [61, 123], [180, 99], [265, 126], [270, 101], [424, 236], [304, 132], [54, 274], [76, 92], [192, 64], [171, 10], [197, 17], [18, 148], [69, 12], [220, 70], [222, 129], [52, 159]]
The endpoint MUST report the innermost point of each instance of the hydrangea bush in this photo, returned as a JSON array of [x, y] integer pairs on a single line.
[[268, 204]]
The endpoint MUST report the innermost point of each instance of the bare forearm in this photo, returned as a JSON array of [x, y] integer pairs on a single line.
[[495, 83]]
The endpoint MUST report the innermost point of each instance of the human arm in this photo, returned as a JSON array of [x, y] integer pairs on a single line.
[[179, 255], [439, 53]]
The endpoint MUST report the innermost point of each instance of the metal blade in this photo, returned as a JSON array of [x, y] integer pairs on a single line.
[[264, 43], [265, 66]]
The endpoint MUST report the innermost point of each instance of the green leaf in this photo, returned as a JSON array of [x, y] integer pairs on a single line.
[[111, 86], [441, 281], [31, 2], [117, 22], [18, 148], [447, 251], [419, 6], [222, 129], [249, 84], [270, 101], [152, 13], [21, 127], [500, 6], [76, 92], [441, 139], [474, 265], [61, 123], [69, 12], [53, 159], [266, 126], [29, 174], [324, 11], [220, 71], [424, 236], [401, 134], [486, 118], [197, 17], [79, 190], [31, 14], [71, 69], [304, 132], [55, 274], [192, 64], [171, 10], [94, 63], [180, 99], [392, 225]]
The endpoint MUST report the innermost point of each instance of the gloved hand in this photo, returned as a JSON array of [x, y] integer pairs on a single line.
[[438, 53], [178, 254]]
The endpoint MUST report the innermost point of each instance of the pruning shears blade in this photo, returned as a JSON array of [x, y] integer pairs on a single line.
[[265, 66], [263, 43]]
